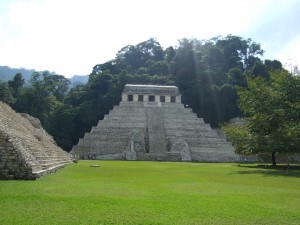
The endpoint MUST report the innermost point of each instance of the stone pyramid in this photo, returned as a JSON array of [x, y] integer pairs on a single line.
[[151, 123], [26, 150]]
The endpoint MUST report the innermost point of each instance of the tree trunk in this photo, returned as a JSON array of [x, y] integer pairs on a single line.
[[273, 159]]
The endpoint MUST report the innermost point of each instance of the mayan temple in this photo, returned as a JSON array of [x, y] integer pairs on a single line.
[[151, 123], [26, 150]]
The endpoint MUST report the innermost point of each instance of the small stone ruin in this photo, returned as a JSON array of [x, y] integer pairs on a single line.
[[151, 123], [26, 150]]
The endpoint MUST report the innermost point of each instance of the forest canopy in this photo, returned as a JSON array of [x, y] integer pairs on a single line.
[[207, 73]]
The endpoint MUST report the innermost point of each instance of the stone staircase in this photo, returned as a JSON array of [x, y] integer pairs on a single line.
[[157, 140], [27, 151]]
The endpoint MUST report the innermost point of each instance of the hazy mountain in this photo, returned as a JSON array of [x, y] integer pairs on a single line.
[[7, 73], [78, 80]]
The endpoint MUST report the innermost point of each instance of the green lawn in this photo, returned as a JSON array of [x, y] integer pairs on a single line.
[[130, 192]]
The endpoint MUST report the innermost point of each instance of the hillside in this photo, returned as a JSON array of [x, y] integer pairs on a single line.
[[7, 73], [78, 80]]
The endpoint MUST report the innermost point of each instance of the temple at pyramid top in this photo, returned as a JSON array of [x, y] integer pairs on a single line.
[[150, 93], [151, 123]]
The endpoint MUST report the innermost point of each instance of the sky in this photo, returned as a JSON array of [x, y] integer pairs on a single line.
[[69, 37]]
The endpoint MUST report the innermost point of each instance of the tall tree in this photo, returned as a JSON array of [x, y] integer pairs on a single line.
[[61, 125], [272, 109], [5, 93], [16, 84], [131, 58], [239, 52], [45, 94]]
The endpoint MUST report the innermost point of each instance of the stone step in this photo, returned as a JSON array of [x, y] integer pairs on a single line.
[[43, 171], [101, 148], [192, 128], [110, 130], [97, 136], [169, 118], [210, 150], [36, 169], [172, 105], [208, 146], [125, 118], [51, 160], [204, 137], [205, 155], [51, 165], [121, 125], [168, 156]]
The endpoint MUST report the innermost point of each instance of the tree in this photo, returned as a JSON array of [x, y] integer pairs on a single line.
[[131, 58], [260, 69], [16, 84], [272, 110], [170, 54], [206, 70], [43, 96], [239, 52], [56, 85], [227, 96], [236, 77], [5, 94], [158, 68], [62, 126]]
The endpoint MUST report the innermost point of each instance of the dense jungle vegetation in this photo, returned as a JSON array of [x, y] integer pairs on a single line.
[[207, 73]]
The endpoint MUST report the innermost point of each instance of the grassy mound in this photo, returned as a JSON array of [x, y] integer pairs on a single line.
[[124, 192]]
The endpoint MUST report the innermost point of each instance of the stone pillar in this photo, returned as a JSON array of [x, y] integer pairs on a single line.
[[178, 98], [168, 98], [146, 98], [124, 97], [135, 98], [157, 98]]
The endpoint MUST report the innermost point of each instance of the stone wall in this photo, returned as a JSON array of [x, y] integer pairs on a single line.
[[26, 150], [12, 164]]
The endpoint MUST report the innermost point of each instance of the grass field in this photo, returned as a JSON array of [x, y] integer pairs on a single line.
[[131, 192]]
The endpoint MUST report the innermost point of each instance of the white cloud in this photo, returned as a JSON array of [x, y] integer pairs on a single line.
[[71, 36], [289, 55]]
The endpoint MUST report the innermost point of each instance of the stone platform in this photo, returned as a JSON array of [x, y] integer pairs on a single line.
[[151, 124], [26, 150]]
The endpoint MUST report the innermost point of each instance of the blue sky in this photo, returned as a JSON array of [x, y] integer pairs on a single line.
[[71, 36]]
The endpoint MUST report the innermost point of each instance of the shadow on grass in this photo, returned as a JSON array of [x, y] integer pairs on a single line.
[[269, 170]]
